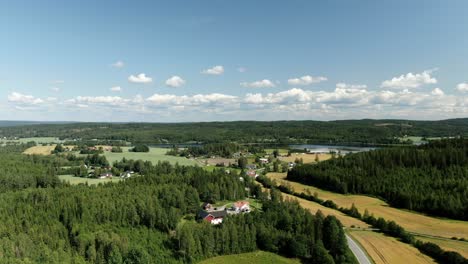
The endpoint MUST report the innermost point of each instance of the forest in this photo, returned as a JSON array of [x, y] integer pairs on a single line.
[[149, 218], [431, 178], [357, 132]]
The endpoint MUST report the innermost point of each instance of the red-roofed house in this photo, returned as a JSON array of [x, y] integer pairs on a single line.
[[241, 206]]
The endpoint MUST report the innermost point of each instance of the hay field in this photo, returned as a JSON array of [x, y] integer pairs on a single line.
[[39, 150], [448, 244], [260, 257], [411, 221], [307, 158], [386, 250]]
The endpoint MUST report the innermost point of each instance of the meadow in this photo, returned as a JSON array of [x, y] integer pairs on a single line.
[[38, 140], [154, 156], [40, 150], [306, 158], [77, 180], [260, 257], [448, 244], [383, 249]]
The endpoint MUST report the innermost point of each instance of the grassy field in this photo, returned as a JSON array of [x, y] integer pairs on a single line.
[[154, 155], [306, 158], [280, 151], [384, 250], [39, 150], [77, 180], [258, 257], [448, 244], [411, 221]]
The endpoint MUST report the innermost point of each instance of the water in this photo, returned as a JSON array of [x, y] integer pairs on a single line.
[[331, 148]]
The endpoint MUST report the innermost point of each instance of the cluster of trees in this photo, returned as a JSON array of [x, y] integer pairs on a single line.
[[431, 178], [140, 148], [277, 132], [225, 150]]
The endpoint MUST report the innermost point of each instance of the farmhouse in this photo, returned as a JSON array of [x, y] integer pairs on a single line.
[[105, 175], [241, 207], [251, 173], [127, 174], [251, 166], [207, 206], [263, 161], [213, 217]]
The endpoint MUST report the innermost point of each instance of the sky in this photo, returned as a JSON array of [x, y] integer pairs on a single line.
[[220, 60]]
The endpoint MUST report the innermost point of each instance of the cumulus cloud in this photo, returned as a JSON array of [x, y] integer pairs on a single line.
[[195, 100], [175, 81], [462, 87], [437, 92], [410, 80], [118, 64], [140, 78], [258, 84], [23, 99], [115, 89], [306, 80], [216, 70]]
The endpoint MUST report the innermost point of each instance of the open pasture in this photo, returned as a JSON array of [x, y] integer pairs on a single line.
[[40, 150], [259, 257], [77, 180], [411, 221], [306, 158]]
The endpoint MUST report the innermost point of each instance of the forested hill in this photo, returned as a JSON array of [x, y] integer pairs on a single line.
[[329, 132], [431, 178]]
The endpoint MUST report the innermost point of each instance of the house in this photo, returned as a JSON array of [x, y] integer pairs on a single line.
[[291, 165], [207, 206], [126, 174], [251, 166], [263, 161], [251, 173], [241, 207], [105, 175], [213, 217]]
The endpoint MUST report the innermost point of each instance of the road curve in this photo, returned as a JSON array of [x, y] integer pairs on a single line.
[[357, 251]]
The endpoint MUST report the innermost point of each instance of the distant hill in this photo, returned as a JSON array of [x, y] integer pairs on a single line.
[[8, 123]]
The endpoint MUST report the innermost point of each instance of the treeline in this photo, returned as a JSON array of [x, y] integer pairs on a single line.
[[431, 178], [226, 150], [274, 132]]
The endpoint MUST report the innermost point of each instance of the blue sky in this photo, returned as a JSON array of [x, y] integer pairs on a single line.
[[231, 60]]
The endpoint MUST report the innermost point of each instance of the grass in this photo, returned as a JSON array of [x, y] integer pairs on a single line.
[[77, 180], [306, 158], [411, 221], [281, 151], [39, 150], [383, 249], [258, 257], [154, 155], [448, 244]]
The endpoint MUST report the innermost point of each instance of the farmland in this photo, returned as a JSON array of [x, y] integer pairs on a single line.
[[39, 150], [77, 180], [306, 158], [383, 249], [260, 257], [448, 244], [38, 140]]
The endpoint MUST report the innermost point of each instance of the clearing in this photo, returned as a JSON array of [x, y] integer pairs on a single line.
[[306, 158], [260, 257], [39, 150], [77, 180], [384, 250], [411, 221]]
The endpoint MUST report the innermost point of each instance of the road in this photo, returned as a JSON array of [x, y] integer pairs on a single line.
[[357, 251]]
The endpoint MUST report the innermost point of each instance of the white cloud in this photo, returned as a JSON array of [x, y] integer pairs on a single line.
[[118, 64], [437, 92], [350, 86], [306, 80], [23, 99], [216, 70], [462, 87], [140, 78], [175, 81], [115, 89], [410, 80], [195, 100], [259, 84], [55, 89]]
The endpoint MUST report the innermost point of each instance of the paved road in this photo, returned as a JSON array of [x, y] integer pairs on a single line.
[[357, 251]]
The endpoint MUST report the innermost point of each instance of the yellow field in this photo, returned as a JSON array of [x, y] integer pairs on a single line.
[[306, 158], [39, 150], [411, 221], [448, 244], [385, 250]]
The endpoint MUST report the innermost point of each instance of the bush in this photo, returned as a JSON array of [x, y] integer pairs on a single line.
[[140, 148]]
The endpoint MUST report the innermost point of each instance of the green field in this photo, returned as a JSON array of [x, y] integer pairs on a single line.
[[77, 180], [154, 155], [38, 140], [258, 257]]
